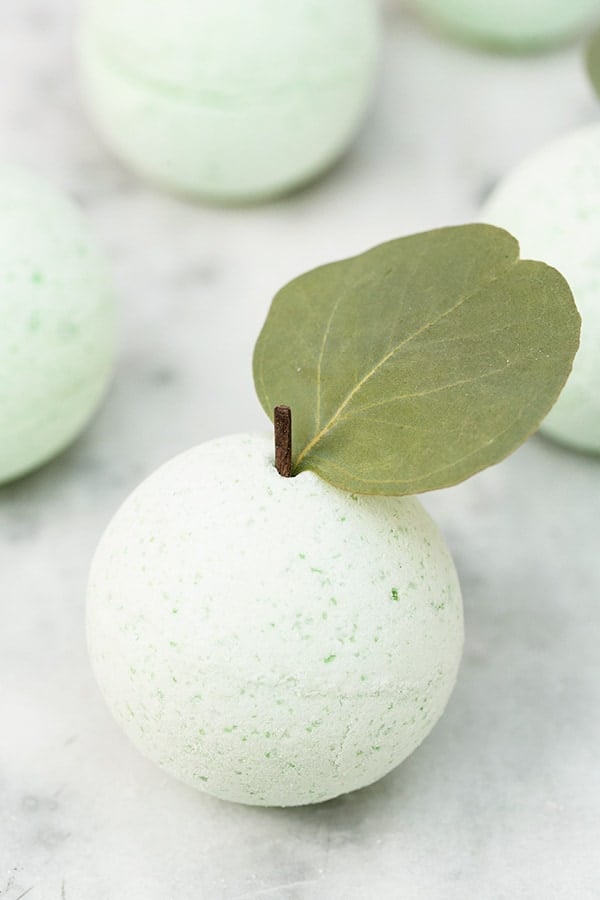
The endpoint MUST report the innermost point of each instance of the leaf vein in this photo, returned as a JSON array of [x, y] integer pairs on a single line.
[[426, 475], [427, 393], [320, 360], [391, 353]]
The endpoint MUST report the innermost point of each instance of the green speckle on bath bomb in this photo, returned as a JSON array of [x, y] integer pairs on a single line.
[[287, 715], [512, 24], [228, 99], [58, 323]]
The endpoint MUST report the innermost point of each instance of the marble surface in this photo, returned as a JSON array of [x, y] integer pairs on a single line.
[[503, 799]]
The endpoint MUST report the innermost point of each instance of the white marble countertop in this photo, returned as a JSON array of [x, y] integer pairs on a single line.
[[503, 800]]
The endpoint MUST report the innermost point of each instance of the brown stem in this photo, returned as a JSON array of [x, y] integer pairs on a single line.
[[282, 421]]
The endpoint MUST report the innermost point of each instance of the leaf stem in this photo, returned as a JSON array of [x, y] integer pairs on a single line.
[[282, 420]]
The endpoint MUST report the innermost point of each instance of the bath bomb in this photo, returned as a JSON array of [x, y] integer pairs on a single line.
[[57, 310], [268, 640], [551, 203], [516, 24], [228, 99]]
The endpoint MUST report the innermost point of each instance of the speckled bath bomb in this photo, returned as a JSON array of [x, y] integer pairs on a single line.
[[513, 24], [551, 203], [228, 99], [270, 640], [57, 315]]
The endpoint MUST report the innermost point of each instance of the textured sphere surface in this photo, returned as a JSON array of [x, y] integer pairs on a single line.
[[58, 323], [225, 98], [551, 203], [272, 640], [513, 23]]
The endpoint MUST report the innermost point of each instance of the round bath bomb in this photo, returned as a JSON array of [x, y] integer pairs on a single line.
[[58, 323], [269, 640], [516, 24], [551, 203], [224, 98]]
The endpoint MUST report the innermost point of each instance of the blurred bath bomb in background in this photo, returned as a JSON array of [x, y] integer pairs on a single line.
[[228, 99], [58, 323], [516, 24], [551, 203]]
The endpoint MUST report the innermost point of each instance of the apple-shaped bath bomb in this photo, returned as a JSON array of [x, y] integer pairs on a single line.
[[228, 99], [272, 640], [551, 202], [57, 310], [281, 627], [512, 24]]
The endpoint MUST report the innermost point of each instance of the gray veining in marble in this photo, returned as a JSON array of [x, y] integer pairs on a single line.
[[503, 800]]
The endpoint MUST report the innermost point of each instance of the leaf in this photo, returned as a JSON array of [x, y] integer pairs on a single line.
[[592, 60], [418, 363]]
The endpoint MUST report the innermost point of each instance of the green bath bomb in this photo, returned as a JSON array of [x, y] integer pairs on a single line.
[[551, 203], [228, 99], [272, 641], [512, 24], [57, 310]]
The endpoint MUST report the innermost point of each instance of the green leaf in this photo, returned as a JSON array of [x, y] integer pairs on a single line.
[[418, 363], [592, 60]]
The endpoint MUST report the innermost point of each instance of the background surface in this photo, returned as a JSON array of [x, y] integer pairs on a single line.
[[503, 799]]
